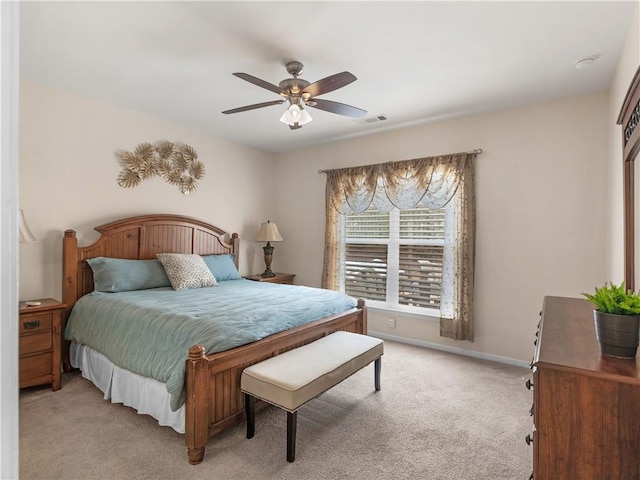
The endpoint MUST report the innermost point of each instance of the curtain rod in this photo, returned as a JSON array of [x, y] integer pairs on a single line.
[[477, 151]]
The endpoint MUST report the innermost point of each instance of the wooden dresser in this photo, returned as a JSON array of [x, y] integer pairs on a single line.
[[586, 406], [40, 343]]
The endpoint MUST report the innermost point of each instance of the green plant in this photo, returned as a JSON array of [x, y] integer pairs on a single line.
[[615, 299]]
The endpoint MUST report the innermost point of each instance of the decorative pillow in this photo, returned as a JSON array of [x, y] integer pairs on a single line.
[[186, 270], [121, 275], [222, 267]]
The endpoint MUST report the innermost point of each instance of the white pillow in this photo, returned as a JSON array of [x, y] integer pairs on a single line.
[[186, 271]]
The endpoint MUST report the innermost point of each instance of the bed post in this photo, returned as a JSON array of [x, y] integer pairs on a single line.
[[235, 248], [361, 306], [196, 421], [70, 267], [69, 287]]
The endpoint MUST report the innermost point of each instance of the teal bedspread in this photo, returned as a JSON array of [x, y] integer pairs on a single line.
[[150, 331]]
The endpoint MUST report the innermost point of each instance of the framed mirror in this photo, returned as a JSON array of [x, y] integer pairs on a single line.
[[629, 119]]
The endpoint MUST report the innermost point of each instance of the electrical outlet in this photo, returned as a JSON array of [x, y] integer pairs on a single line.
[[391, 322]]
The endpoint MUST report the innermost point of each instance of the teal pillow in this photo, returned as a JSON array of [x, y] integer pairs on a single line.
[[222, 267], [121, 275]]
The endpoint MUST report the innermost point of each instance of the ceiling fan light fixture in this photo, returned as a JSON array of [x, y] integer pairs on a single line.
[[300, 94], [294, 114]]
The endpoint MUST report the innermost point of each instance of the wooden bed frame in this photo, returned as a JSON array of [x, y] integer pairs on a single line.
[[212, 382]]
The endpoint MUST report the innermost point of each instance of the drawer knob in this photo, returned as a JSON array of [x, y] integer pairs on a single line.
[[528, 439], [31, 324], [528, 384]]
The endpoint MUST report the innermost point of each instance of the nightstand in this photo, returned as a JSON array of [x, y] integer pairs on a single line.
[[40, 343], [279, 278]]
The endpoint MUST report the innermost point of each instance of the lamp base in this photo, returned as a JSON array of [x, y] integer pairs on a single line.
[[268, 256]]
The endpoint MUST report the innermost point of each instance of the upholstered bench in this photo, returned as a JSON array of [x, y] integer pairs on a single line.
[[291, 379]]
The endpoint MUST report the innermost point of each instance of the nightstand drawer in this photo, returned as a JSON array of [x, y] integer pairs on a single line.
[[40, 328], [283, 278], [35, 322], [35, 366], [40, 342]]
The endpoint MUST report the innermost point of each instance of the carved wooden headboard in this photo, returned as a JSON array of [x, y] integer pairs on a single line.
[[139, 238]]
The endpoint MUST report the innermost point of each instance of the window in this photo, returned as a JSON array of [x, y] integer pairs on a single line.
[[395, 257], [397, 254]]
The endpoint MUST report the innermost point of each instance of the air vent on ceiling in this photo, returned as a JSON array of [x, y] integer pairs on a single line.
[[379, 118]]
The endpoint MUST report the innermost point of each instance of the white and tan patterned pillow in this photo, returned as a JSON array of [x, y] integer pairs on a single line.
[[186, 271]]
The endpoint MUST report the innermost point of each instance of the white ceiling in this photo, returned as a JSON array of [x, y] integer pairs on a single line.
[[415, 61]]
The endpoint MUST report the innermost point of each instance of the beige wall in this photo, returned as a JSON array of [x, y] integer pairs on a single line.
[[68, 172], [627, 65], [540, 199], [540, 212]]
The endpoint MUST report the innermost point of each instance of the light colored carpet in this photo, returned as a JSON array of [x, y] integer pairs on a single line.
[[438, 416]]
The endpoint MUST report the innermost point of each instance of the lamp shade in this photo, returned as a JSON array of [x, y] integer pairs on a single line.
[[26, 236], [304, 117], [268, 233], [295, 115]]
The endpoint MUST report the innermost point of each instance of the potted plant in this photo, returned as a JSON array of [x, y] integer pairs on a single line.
[[617, 319]]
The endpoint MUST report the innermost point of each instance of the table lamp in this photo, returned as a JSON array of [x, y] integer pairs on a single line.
[[268, 233], [26, 236]]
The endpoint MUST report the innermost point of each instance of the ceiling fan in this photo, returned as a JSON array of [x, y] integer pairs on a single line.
[[300, 93]]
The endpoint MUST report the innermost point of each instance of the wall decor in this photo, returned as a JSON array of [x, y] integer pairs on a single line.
[[176, 163]]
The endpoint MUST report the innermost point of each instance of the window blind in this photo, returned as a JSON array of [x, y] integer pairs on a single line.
[[395, 257]]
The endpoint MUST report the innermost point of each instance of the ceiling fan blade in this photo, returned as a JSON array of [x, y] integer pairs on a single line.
[[254, 106], [329, 84], [259, 82], [336, 107]]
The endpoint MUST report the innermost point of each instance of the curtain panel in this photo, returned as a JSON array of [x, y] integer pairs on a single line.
[[437, 182]]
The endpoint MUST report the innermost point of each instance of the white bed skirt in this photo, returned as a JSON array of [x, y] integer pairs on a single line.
[[146, 395]]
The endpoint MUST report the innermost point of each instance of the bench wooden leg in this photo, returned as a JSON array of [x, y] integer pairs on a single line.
[[292, 421], [250, 413], [377, 367]]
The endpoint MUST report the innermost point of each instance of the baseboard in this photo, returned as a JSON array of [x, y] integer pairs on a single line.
[[446, 348]]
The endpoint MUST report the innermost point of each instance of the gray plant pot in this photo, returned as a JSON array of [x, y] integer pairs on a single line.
[[617, 334]]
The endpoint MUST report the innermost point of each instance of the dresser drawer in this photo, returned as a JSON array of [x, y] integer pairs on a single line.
[[38, 342], [36, 322], [35, 366]]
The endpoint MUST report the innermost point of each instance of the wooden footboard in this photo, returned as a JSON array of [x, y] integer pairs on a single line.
[[213, 397]]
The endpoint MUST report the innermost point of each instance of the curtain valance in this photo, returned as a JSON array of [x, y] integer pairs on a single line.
[[432, 180]]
